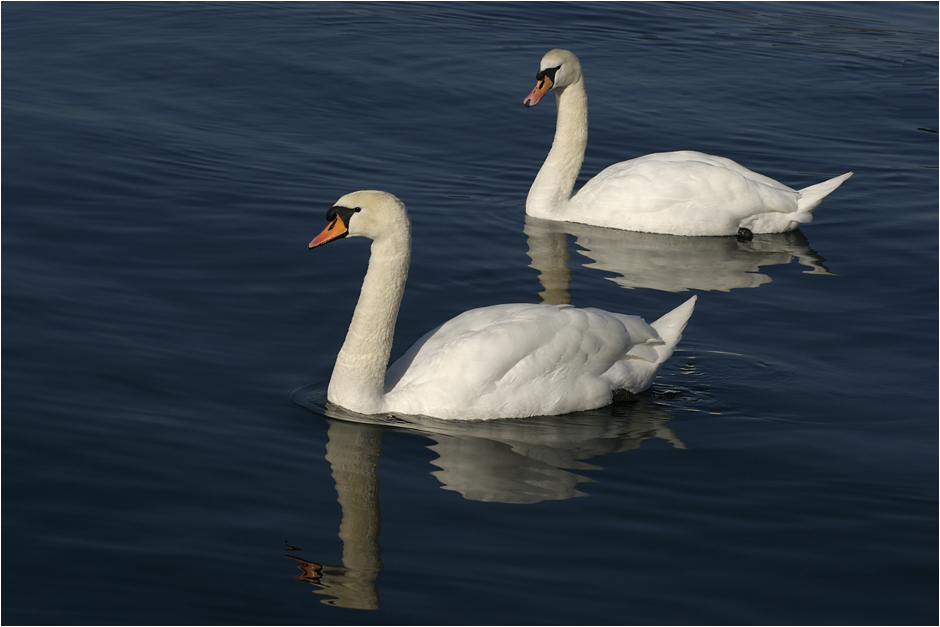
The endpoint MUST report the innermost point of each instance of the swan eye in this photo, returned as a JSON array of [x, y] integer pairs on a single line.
[[357, 209]]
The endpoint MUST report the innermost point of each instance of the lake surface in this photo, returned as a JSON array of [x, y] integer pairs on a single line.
[[169, 456]]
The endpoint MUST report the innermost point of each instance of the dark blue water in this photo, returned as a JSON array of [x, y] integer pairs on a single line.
[[168, 454]]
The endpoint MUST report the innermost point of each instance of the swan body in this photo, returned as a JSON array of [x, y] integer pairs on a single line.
[[502, 361], [676, 193]]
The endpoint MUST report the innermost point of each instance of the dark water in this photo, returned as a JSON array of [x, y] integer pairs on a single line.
[[167, 453]]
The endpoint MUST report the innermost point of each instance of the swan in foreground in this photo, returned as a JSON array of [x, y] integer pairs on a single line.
[[502, 361], [676, 193]]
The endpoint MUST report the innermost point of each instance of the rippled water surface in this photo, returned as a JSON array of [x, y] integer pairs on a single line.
[[169, 455]]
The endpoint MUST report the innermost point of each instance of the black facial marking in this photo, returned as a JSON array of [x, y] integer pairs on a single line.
[[549, 72], [342, 212]]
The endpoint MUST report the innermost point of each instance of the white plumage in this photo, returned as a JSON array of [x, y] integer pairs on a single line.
[[677, 193], [501, 361]]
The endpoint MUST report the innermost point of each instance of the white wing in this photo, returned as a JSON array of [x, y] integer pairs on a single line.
[[524, 360], [684, 193]]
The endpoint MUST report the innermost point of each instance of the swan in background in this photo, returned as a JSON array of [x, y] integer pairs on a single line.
[[502, 361], [675, 193]]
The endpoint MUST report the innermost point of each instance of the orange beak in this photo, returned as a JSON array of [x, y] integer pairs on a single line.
[[334, 230], [541, 88]]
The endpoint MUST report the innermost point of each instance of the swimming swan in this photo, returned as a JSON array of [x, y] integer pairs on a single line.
[[494, 362], [677, 193]]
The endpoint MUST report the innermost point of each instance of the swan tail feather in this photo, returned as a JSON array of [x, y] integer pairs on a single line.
[[811, 196], [671, 326]]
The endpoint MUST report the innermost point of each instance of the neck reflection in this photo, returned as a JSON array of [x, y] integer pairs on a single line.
[[353, 452], [521, 461]]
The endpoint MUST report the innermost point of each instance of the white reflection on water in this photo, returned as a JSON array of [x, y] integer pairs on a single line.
[[669, 263], [527, 460], [520, 461], [353, 451]]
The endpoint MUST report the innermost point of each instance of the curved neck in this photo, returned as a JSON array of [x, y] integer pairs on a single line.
[[358, 377], [554, 183]]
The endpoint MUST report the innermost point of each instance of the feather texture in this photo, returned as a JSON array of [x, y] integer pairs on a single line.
[[677, 193], [502, 361]]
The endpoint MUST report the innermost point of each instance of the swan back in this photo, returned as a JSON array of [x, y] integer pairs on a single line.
[[527, 360]]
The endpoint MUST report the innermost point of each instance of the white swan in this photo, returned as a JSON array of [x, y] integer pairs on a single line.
[[494, 362], [676, 193]]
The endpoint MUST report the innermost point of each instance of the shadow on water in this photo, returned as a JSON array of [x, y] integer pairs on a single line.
[[669, 263], [519, 461]]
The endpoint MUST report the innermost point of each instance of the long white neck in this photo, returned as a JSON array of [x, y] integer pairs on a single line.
[[554, 183], [359, 374]]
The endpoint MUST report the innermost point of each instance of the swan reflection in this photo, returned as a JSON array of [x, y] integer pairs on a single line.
[[669, 263], [526, 460], [353, 453]]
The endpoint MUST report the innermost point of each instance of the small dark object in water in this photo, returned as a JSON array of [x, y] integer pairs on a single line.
[[624, 396], [744, 235]]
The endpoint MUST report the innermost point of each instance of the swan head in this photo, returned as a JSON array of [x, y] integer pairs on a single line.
[[558, 69], [367, 213]]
